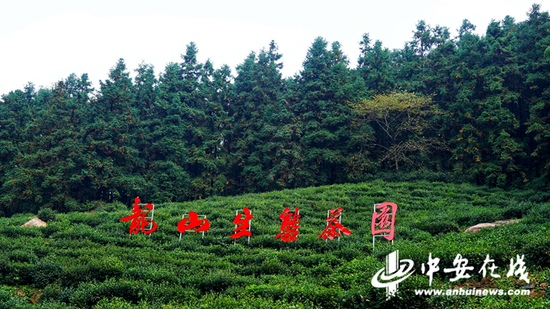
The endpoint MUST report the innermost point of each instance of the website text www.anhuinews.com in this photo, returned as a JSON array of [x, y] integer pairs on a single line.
[[473, 292]]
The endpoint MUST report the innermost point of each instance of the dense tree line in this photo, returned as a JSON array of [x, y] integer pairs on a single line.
[[473, 106]]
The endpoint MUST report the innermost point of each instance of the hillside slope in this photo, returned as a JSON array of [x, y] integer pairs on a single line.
[[90, 260]]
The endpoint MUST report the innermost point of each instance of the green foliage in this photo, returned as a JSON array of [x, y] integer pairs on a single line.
[[196, 131], [46, 215], [88, 260], [319, 101], [403, 124], [439, 227]]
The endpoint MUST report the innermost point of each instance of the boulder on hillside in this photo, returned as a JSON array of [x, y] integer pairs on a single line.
[[478, 227], [35, 222]]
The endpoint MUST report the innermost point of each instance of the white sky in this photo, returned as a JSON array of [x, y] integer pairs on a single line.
[[45, 41]]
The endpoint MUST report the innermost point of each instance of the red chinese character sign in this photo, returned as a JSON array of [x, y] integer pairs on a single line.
[[290, 225], [242, 224], [383, 221], [193, 222], [334, 225], [140, 219]]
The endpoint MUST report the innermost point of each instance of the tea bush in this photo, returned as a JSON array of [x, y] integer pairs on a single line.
[[46, 215]]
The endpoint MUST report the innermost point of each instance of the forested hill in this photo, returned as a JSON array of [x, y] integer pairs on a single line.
[[471, 106]]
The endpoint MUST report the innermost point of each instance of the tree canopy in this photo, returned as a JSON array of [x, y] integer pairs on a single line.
[[474, 107]]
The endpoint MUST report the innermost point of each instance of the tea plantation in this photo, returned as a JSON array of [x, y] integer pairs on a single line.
[[89, 260]]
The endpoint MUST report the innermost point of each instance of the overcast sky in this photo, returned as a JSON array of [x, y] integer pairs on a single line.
[[45, 41]]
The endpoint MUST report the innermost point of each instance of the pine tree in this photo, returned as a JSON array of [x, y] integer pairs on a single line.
[[324, 86], [169, 146], [20, 187], [375, 67], [111, 138], [533, 40], [251, 141], [146, 92]]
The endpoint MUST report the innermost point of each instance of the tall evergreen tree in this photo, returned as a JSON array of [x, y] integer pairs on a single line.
[[112, 139], [255, 116], [146, 91], [534, 41], [375, 67], [168, 143], [324, 87], [208, 155], [20, 188], [49, 168]]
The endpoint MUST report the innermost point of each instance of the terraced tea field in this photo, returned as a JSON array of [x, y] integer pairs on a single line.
[[88, 260]]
